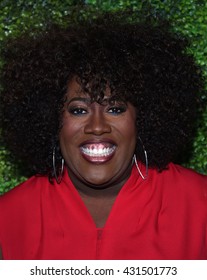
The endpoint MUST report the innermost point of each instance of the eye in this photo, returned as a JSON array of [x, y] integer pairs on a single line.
[[77, 111], [116, 110]]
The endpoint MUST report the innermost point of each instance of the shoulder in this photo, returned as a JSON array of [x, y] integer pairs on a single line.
[[185, 176], [183, 184], [24, 192], [181, 175]]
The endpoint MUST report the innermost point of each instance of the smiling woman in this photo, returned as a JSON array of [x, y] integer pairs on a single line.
[[94, 141], [99, 111]]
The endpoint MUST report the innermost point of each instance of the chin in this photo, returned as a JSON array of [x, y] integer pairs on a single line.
[[98, 183]]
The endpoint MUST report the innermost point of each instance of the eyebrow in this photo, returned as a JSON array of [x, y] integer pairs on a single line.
[[82, 99], [88, 100]]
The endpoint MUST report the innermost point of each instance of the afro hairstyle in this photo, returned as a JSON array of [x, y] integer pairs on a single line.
[[145, 64]]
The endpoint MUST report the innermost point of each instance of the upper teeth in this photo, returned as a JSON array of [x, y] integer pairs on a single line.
[[98, 152]]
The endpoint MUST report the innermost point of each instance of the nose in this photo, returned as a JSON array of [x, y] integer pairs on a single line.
[[97, 123]]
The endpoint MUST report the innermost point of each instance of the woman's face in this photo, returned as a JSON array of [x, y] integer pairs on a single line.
[[97, 141]]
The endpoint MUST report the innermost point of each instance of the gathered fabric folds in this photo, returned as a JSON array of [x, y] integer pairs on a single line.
[[160, 218]]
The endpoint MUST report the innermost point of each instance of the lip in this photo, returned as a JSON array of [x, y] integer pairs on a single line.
[[98, 151]]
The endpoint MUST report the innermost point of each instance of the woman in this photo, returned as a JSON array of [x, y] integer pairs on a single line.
[[99, 111]]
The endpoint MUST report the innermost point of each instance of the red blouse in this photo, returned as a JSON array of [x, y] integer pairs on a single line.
[[162, 217]]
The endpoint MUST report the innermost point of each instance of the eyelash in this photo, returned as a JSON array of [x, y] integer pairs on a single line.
[[114, 110], [77, 111]]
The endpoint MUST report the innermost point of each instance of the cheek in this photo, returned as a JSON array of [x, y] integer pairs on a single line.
[[67, 143], [68, 132], [130, 134], [130, 126], [69, 127]]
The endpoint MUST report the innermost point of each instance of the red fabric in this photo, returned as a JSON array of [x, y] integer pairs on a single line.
[[163, 217]]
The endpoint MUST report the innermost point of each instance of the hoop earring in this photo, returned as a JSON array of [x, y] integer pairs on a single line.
[[58, 177], [146, 162]]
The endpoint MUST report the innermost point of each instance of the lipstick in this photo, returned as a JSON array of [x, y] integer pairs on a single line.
[[98, 152]]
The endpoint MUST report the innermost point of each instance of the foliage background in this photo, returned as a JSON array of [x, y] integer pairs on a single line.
[[186, 16]]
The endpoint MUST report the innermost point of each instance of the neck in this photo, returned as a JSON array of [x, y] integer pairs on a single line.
[[108, 189]]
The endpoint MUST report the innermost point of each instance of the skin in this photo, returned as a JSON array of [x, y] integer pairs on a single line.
[[97, 183]]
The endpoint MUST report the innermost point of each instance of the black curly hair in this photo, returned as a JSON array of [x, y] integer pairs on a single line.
[[144, 64]]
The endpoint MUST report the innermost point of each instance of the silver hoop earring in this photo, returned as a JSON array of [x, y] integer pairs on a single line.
[[146, 162], [58, 177]]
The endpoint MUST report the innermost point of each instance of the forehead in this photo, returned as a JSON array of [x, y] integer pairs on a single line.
[[75, 89]]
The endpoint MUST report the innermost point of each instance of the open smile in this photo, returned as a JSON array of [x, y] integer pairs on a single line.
[[98, 152]]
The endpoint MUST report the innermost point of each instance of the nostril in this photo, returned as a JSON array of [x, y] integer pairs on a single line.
[[97, 125]]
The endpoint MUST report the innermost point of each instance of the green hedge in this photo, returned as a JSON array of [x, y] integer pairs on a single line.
[[186, 16]]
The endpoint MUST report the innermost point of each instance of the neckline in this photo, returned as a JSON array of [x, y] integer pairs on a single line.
[[132, 182]]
